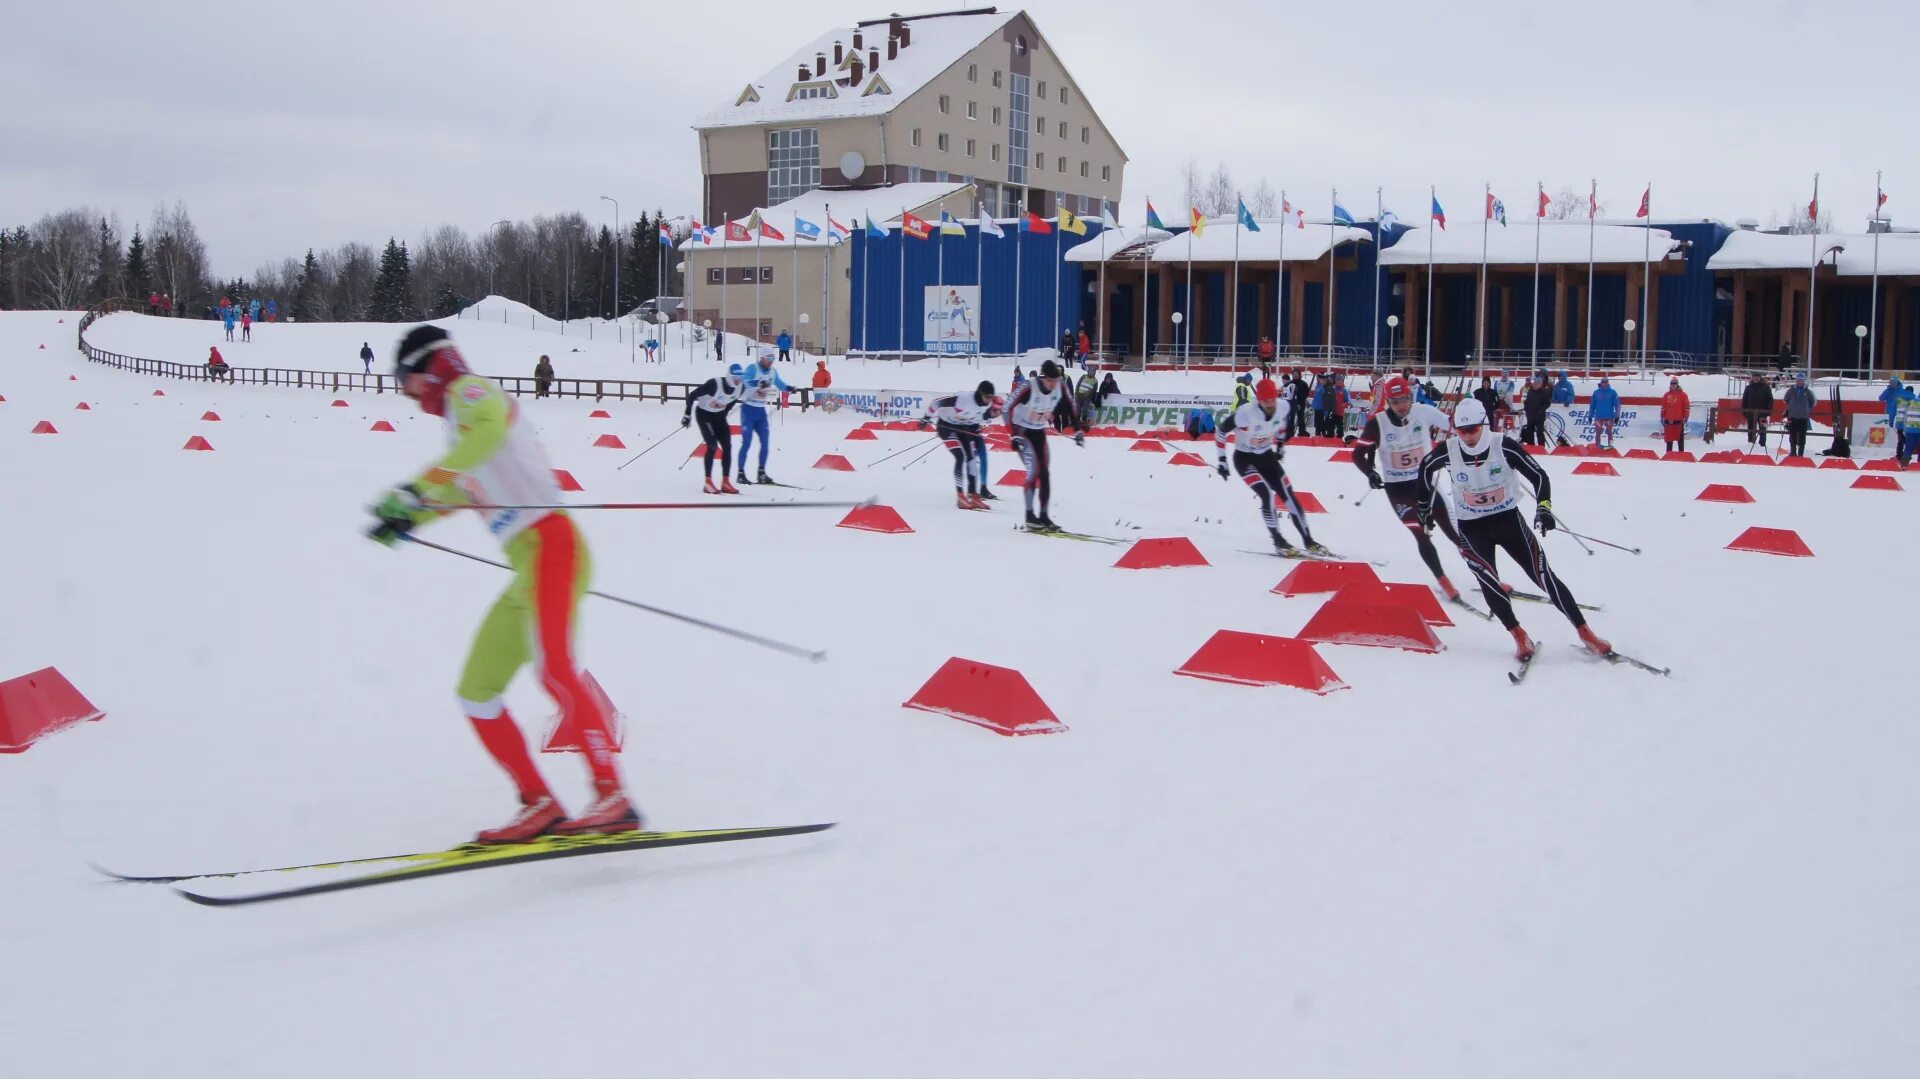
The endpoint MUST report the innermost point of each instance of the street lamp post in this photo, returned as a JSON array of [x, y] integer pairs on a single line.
[[1860, 347], [616, 258], [1392, 322], [1629, 327], [493, 264], [1186, 355]]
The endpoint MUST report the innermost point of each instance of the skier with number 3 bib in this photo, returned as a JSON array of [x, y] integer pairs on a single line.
[[494, 459], [1257, 431]]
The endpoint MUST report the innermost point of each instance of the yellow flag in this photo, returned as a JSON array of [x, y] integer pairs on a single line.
[[1070, 222], [1199, 224]]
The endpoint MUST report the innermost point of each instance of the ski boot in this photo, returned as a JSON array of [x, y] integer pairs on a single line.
[[1593, 642], [537, 817], [1039, 523], [987, 496], [963, 500], [710, 488], [1523, 646], [764, 478], [1453, 594], [1047, 525], [612, 812], [742, 479], [1314, 546], [1280, 544], [727, 487]]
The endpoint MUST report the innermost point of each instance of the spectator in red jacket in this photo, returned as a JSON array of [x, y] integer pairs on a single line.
[[1673, 416], [217, 365], [822, 378], [153, 303], [246, 325], [1086, 345], [1265, 352]]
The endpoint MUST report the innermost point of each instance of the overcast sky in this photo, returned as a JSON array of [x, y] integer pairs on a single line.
[[289, 126]]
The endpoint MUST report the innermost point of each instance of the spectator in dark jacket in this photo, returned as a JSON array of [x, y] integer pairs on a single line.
[[1539, 396], [366, 356], [1489, 399], [1067, 348], [1757, 405], [1297, 419], [1799, 416], [1108, 387], [542, 376]]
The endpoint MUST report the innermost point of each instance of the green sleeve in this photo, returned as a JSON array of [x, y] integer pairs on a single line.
[[481, 412]]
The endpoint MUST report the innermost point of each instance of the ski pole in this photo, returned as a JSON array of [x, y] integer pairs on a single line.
[[811, 655], [657, 443], [897, 453], [923, 456], [662, 506], [1578, 538]]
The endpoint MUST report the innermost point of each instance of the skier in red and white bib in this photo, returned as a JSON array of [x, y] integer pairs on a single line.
[[1258, 432], [1389, 452]]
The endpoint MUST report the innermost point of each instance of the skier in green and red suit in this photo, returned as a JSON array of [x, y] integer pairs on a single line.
[[495, 459]]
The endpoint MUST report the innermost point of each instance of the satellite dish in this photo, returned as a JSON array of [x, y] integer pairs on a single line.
[[852, 165]]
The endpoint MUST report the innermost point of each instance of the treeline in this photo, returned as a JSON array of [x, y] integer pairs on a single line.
[[562, 266]]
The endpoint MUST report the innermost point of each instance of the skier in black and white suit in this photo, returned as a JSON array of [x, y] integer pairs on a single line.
[[1258, 432], [957, 421], [1036, 406], [1486, 467]]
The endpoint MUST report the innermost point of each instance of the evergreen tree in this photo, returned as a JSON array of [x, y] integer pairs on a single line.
[[106, 265], [392, 299], [139, 275], [306, 296], [600, 277], [637, 276], [447, 302]]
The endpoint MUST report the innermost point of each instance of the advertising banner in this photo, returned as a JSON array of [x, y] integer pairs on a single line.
[[1147, 411], [953, 318], [1871, 435], [877, 404]]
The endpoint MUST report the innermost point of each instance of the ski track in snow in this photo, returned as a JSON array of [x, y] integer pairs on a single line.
[[1600, 873]]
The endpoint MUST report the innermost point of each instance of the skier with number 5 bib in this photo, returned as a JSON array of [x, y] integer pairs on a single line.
[[1257, 431], [494, 459], [1486, 467], [1397, 439]]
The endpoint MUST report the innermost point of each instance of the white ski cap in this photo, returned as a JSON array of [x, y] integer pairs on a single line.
[[1471, 413]]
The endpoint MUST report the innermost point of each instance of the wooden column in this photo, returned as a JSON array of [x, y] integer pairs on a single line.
[[1296, 303], [1559, 309], [1738, 344], [1787, 292]]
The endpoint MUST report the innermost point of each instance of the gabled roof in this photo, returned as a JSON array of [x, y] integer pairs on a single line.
[[1560, 242], [849, 207], [937, 43], [1216, 243], [1899, 253]]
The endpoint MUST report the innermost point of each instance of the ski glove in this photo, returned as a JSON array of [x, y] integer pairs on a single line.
[[1543, 518], [1222, 469], [397, 511], [1374, 481], [686, 420], [1080, 438]]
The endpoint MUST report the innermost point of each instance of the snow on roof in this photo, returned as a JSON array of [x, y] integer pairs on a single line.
[[1216, 242], [1560, 242], [850, 207], [1117, 239], [1899, 252], [938, 42]]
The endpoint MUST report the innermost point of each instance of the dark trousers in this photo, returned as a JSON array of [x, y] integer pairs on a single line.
[[714, 432], [1269, 484], [1534, 431], [1031, 443], [1405, 500], [969, 455], [1674, 434], [1797, 437], [1482, 536], [1757, 427], [784, 358]]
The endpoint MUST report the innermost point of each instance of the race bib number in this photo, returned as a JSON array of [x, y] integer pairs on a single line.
[[1484, 498], [1043, 417], [1404, 458], [1260, 442]]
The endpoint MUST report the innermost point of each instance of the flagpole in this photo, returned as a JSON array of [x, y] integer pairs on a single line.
[[1185, 327], [1593, 211], [1379, 236], [1328, 343], [1873, 300], [903, 288], [939, 288], [1646, 276], [1813, 268], [793, 317], [726, 241], [756, 285], [1233, 304], [1059, 231], [1100, 305], [1433, 200], [1533, 344], [1280, 280], [1018, 280], [826, 294], [1146, 287], [1480, 293]]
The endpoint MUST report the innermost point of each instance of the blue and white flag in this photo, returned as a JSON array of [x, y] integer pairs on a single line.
[[1246, 219], [804, 229], [1340, 215]]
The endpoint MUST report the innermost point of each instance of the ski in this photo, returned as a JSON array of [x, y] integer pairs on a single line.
[[1518, 676], [788, 486], [1335, 556], [467, 856], [1061, 533], [1535, 597], [1616, 658], [1301, 555], [1459, 602]]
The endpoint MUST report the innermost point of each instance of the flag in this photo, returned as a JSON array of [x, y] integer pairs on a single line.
[[1439, 214], [875, 229], [1111, 219], [915, 227], [1340, 214], [1593, 202], [1032, 222], [666, 233], [1153, 218], [1387, 221], [1300, 219], [1199, 223], [1496, 210], [988, 226], [804, 229], [1880, 200], [1544, 203], [1813, 208], [768, 232], [1070, 222], [836, 232], [736, 232], [950, 225], [753, 220], [1246, 219], [1646, 202]]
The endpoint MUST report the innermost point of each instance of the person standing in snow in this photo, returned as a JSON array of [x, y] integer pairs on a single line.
[[1257, 432], [1799, 416], [1563, 390], [1294, 391], [366, 356], [1674, 407], [1031, 411], [1534, 405], [765, 389], [1756, 404], [1084, 344], [1242, 390], [1605, 412], [1906, 426], [246, 326], [1067, 350], [784, 343], [1486, 467], [226, 319], [273, 310], [710, 403], [956, 420], [1397, 439], [822, 378], [495, 459], [542, 376]]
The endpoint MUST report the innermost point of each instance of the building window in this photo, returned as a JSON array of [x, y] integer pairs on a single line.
[[1062, 167], [1041, 92], [973, 72], [989, 196], [1040, 162], [766, 275], [967, 179], [1010, 200], [994, 151], [973, 110], [942, 177], [1106, 173], [1040, 126], [1063, 129], [1017, 118], [713, 276], [793, 163], [1086, 134], [1020, 47], [1063, 95], [913, 174], [969, 147], [996, 79], [913, 137], [816, 90], [944, 103], [996, 116], [940, 141], [1083, 169]]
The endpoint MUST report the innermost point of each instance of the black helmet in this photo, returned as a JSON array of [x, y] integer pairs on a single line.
[[417, 348], [983, 392], [1049, 369]]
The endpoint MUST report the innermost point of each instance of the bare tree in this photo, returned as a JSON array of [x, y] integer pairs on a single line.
[[1568, 204], [1222, 198], [1794, 221], [64, 257], [179, 255], [1263, 202]]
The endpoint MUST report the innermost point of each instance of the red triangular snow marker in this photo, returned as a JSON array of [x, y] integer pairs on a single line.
[[1255, 659], [1678, 455], [861, 434], [1372, 625], [339, 403], [1161, 553], [1881, 464], [197, 443], [611, 442], [210, 417], [44, 428], [83, 407], [1781, 541], [35, 705], [1312, 576], [1843, 463], [875, 519], [381, 425], [1876, 483], [1753, 459], [1595, 468], [1415, 596], [1339, 456], [1014, 478], [833, 462], [1308, 503], [1643, 455], [997, 698], [1797, 462], [566, 481], [1723, 492], [1184, 458], [599, 414], [159, 393], [1147, 445]]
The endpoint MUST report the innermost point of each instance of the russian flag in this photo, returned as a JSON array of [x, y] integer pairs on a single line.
[[1439, 214]]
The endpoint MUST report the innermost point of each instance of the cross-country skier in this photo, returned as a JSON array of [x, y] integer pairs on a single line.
[[1397, 439], [1258, 432], [495, 459], [957, 421], [1486, 467], [711, 402], [1030, 412], [765, 388]]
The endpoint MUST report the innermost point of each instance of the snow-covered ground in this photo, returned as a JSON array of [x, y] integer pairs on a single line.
[[1600, 873]]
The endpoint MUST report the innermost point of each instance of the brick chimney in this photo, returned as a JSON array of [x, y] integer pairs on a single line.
[[894, 26], [906, 33], [859, 39], [873, 59], [819, 64], [839, 52], [804, 75], [893, 48], [854, 71]]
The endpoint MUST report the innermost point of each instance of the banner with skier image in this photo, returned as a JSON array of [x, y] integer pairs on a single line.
[[953, 318]]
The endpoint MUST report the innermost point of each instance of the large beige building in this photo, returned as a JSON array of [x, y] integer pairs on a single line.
[[972, 103]]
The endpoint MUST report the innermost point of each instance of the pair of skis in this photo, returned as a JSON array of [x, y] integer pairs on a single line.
[[461, 859], [1614, 658], [1061, 533]]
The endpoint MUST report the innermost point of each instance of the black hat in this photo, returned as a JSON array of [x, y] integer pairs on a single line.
[[1049, 369], [416, 349]]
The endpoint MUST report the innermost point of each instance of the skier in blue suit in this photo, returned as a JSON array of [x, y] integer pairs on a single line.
[[764, 388]]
